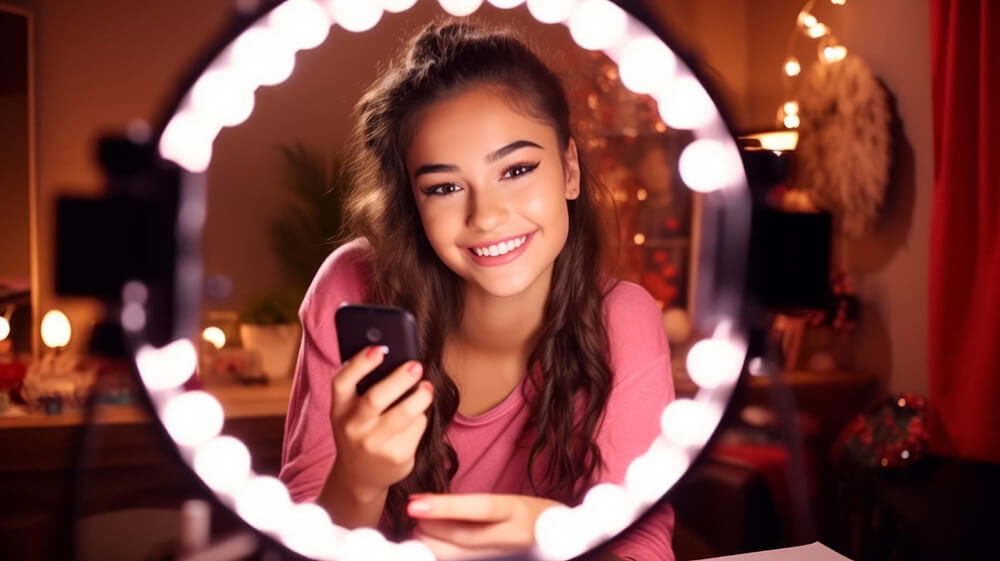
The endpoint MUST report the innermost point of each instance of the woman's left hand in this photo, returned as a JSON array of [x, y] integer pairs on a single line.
[[476, 525]]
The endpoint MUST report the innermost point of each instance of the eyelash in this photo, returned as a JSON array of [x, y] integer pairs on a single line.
[[525, 168]]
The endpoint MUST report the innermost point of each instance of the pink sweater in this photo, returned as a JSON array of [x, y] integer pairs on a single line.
[[488, 455]]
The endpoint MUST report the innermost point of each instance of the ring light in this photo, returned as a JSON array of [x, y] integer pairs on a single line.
[[260, 51]]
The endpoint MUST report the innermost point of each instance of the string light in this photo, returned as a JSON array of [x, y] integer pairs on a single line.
[[460, 8], [4, 328], [807, 20], [838, 2], [818, 31], [56, 330], [791, 107], [791, 121], [215, 336], [792, 67], [597, 24], [834, 53]]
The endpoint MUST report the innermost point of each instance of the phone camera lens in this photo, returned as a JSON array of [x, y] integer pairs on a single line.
[[373, 335]]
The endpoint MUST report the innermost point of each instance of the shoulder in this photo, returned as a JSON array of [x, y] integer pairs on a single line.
[[634, 322], [343, 276]]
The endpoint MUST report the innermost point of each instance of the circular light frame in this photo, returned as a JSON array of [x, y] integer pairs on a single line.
[[185, 136]]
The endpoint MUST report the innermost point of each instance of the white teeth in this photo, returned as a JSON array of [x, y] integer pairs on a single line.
[[501, 248]]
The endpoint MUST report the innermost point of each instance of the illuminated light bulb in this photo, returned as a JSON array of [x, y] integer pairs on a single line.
[[792, 67], [685, 104], [307, 530], [791, 121], [688, 422], [223, 463], [551, 11], [708, 165], [263, 502], [817, 31], [261, 58], [807, 20], [413, 550], [838, 2], [135, 291], [609, 508], [714, 362], [791, 107], [215, 336], [168, 367], [355, 15], [833, 53], [4, 328], [597, 24], [554, 531], [649, 476], [302, 24], [641, 194], [506, 4], [396, 6], [56, 330], [193, 417], [460, 8], [647, 65], [365, 544], [133, 316], [639, 239], [222, 97], [187, 141]]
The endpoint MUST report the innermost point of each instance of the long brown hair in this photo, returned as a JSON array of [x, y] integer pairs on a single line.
[[440, 61]]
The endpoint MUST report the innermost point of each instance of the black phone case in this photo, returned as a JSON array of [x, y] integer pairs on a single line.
[[362, 325]]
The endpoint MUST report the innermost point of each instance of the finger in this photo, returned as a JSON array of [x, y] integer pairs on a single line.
[[406, 442], [470, 507], [406, 412], [346, 379], [465, 534], [383, 394]]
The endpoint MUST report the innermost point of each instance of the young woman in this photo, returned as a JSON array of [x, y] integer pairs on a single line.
[[540, 375]]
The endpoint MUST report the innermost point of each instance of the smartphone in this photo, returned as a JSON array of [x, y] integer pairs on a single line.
[[362, 325]]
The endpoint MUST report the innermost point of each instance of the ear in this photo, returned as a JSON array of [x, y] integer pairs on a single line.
[[572, 167]]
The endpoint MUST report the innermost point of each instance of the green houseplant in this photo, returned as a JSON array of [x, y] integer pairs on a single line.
[[302, 236]]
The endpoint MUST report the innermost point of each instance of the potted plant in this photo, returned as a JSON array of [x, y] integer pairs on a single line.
[[269, 327]]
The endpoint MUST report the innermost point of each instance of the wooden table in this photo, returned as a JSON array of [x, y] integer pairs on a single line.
[[128, 464]]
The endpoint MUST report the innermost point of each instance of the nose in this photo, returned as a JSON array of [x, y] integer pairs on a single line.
[[487, 210]]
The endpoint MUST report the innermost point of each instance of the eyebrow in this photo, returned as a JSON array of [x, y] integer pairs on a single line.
[[490, 158]]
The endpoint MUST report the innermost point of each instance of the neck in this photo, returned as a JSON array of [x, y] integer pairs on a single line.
[[503, 325]]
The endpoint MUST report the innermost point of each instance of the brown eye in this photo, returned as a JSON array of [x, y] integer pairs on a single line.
[[518, 170], [442, 189]]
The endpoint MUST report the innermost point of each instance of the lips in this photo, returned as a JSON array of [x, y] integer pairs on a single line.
[[496, 260]]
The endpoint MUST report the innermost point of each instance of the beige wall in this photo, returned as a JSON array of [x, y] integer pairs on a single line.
[[102, 63]]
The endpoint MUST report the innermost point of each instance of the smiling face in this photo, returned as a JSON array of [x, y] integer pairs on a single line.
[[491, 187]]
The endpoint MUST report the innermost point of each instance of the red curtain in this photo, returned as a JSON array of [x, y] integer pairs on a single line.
[[964, 265]]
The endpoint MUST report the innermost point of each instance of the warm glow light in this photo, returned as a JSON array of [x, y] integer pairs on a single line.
[[817, 31], [551, 11], [639, 239], [641, 194], [807, 20], [688, 422], [838, 2], [650, 476], [365, 544], [168, 367], [413, 550], [223, 463], [833, 53], [187, 141], [260, 58], [355, 15], [307, 530], [686, 105], [713, 362], [263, 501], [506, 4], [792, 67], [396, 6], [776, 141], [791, 121], [646, 65], [218, 95], [554, 529], [215, 336], [193, 417], [133, 316], [708, 165], [460, 8], [597, 24], [608, 508], [791, 107], [56, 330], [4, 328], [302, 24]]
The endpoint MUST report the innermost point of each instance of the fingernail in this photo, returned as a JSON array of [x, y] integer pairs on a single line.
[[375, 352], [418, 507], [415, 369]]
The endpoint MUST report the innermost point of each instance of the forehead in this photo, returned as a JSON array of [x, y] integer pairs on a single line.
[[471, 124]]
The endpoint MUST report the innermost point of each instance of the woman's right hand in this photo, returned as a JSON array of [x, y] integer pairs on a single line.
[[376, 445]]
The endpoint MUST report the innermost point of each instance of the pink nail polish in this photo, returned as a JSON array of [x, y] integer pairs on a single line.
[[374, 352], [418, 507], [415, 369]]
